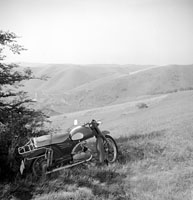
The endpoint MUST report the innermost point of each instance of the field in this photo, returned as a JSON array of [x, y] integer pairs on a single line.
[[154, 133], [157, 149]]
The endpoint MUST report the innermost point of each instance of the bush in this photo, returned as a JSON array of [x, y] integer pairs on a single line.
[[18, 119], [142, 105]]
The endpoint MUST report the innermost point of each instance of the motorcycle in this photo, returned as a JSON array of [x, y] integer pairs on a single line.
[[50, 153]]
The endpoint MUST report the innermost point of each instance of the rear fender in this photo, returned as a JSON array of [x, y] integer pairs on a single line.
[[30, 157], [35, 153]]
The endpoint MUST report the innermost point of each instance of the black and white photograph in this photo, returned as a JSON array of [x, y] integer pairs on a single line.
[[96, 99]]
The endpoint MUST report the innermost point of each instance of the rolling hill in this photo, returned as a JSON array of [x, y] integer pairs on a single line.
[[71, 88]]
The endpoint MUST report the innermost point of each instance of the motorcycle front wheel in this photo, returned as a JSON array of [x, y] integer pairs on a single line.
[[39, 166], [111, 149]]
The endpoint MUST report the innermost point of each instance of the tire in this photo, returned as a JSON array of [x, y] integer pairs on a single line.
[[111, 149], [39, 166]]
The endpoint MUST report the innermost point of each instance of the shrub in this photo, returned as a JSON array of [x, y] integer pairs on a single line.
[[142, 105], [18, 119]]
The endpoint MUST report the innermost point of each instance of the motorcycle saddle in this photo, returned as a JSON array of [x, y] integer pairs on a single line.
[[46, 140]]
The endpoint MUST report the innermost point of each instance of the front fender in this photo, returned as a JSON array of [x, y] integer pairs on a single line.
[[105, 132]]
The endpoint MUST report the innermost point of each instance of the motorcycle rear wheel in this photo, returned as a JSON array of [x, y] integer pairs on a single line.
[[111, 149], [39, 166]]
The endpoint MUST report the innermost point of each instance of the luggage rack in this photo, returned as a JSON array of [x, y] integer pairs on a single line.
[[27, 148]]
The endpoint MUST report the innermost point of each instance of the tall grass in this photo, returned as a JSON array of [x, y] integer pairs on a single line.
[[152, 165], [148, 167]]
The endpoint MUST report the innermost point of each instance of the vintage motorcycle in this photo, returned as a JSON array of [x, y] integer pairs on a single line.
[[51, 153]]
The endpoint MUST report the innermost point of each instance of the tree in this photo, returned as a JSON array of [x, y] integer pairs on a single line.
[[18, 119]]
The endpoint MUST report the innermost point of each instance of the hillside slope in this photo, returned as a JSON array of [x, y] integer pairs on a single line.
[[155, 156], [72, 88], [155, 142], [66, 77], [126, 87], [124, 119]]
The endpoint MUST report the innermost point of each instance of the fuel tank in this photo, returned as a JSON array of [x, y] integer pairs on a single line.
[[81, 133]]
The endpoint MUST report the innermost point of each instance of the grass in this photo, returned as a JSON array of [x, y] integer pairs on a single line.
[[154, 163], [148, 168]]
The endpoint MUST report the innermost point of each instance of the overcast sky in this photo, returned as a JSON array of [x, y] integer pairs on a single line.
[[101, 31]]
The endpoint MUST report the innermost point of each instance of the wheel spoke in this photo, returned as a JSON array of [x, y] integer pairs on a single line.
[[110, 149], [39, 166]]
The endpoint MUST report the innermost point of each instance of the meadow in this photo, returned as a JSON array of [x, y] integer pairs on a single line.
[[155, 159]]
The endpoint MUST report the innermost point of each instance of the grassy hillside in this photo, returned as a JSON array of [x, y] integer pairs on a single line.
[[127, 118], [155, 160], [72, 88], [65, 77], [154, 81], [148, 111]]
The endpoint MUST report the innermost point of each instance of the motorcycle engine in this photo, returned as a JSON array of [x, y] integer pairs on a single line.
[[81, 152]]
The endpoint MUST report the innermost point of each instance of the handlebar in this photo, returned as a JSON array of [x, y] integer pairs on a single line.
[[92, 123]]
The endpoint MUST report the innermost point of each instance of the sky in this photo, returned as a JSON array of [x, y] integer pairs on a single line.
[[142, 32]]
